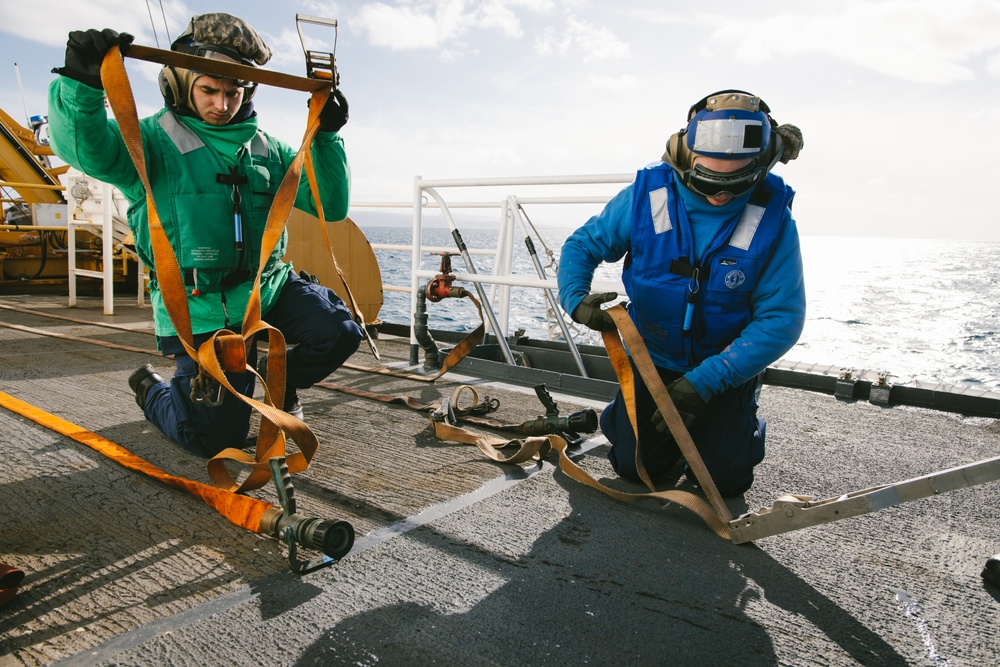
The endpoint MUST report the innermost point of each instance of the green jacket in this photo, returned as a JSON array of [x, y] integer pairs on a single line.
[[183, 158]]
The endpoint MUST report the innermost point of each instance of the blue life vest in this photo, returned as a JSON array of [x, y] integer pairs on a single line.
[[688, 308]]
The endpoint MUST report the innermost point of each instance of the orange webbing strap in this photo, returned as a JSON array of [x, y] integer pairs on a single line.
[[275, 423], [531, 448], [682, 498], [647, 370], [241, 510], [226, 69], [467, 344], [359, 317], [715, 519]]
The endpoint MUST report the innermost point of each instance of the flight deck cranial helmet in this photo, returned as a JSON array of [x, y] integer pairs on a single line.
[[218, 36], [730, 125]]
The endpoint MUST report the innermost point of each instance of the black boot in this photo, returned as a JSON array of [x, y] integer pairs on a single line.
[[141, 382], [991, 572]]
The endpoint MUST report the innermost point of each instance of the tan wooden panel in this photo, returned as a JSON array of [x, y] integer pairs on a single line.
[[307, 251]]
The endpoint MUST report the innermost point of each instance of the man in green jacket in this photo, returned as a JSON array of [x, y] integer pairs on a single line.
[[214, 175]]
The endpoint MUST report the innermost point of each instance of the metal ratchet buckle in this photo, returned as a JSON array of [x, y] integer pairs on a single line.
[[201, 391], [319, 64], [445, 413]]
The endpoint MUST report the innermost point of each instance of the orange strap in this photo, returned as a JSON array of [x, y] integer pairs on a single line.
[[225, 69], [351, 301], [240, 510], [716, 519], [640, 355], [275, 423], [531, 448]]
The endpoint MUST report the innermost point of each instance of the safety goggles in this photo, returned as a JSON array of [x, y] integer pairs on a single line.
[[729, 133], [222, 54], [709, 183]]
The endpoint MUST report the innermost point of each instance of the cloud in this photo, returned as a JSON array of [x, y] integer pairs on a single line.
[[617, 84], [22, 19], [591, 42], [923, 41], [435, 24]]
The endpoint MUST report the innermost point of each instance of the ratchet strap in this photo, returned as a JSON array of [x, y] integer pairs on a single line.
[[443, 423], [228, 345], [716, 515], [351, 301], [239, 509]]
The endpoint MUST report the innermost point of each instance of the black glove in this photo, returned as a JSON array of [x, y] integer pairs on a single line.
[[590, 314], [334, 113], [85, 52], [791, 142], [687, 400]]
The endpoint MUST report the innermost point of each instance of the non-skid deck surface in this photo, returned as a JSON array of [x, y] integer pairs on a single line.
[[526, 567]]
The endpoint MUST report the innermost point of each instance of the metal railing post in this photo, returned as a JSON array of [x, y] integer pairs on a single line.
[[501, 340]]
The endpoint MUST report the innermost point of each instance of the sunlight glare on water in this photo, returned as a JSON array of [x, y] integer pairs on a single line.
[[921, 310]]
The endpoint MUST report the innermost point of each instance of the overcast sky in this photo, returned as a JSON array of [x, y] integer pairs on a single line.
[[897, 99]]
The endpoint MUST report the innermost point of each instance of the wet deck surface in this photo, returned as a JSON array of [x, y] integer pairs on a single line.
[[525, 567]]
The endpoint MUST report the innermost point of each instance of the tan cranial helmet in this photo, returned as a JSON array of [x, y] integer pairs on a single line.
[[727, 125], [218, 36]]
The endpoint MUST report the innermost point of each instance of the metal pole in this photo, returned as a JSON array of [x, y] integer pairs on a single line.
[[501, 340], [549, 294], [108, 251], [415, 267]]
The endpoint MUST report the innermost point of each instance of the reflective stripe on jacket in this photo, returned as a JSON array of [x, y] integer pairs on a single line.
[[665, 280]]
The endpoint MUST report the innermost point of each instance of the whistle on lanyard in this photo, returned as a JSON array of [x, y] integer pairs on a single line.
[[693, 287], [235, 180]]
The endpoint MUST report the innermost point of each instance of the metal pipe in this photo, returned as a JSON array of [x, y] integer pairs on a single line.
[[36, 186], [464, 251], [549, 294], [415, 267]]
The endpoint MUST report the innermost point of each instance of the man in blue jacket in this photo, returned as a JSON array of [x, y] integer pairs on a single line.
[[213, 174], [714, 278]]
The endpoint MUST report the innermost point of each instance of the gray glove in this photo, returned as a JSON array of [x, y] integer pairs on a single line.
[[687, 400], [590, 314], [791, 142], [85, 52]]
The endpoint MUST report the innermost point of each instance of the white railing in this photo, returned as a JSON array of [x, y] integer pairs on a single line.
[[496, 307]]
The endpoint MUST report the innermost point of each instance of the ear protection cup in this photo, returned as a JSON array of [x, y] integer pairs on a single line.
[[170, 87], [677, 154]]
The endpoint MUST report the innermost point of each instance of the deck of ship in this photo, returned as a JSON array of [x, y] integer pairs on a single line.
[[460, 560]]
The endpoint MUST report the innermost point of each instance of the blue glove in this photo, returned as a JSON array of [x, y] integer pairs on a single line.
[[85, 52]]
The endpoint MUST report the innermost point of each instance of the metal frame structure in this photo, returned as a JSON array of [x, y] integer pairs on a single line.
[[427, 195]]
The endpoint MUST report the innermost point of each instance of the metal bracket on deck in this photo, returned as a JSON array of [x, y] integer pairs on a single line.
[[792, 512], [846, 382], [881, 390]]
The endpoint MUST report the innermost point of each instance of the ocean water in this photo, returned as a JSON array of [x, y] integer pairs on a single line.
[[921, 310]]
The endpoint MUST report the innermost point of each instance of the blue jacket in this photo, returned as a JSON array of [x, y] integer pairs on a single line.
[[747, 312]]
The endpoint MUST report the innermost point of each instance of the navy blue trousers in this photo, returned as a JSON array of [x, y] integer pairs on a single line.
[[312, 319], [728, 434]]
